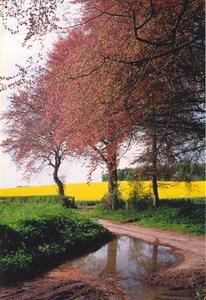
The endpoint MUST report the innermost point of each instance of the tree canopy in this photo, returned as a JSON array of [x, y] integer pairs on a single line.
[[125, 71]]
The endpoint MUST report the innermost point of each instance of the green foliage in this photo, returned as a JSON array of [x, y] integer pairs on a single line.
[[122, 174], [187, 171], [138, 201], [108, 199], [183, 215], [9, 239], [182, 171], [15, 261], [200, 294], [68, 202], [88, 203], [106, 202], [32, 232], [52, 249]]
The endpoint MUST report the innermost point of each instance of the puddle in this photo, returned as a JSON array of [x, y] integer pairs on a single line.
[[129, 257], [125, 256]]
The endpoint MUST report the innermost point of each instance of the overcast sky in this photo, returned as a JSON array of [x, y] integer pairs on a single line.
[[12, 52]]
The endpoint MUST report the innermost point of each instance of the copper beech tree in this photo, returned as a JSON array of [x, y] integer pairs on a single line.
[[100, 123], [145, 40], [118, 75], [141, 34], [154, 38], [32, 130], [134, 32], [34, 17], [104, 97]]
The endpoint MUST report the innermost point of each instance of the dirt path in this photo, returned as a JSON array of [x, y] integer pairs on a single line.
[[189, 271], [63, 284]]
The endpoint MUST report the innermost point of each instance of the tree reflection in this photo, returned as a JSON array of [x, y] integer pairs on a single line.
[[144, 255], [111, 257], [154, 265]]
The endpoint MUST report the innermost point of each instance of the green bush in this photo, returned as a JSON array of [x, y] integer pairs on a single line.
[[47, 250], [38, 231], [9, 239], [107, 200], [15, 261], [177, 203], [135, 201], [87, 203]]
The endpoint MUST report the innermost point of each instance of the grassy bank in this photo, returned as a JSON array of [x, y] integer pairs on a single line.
[[34, 232], [187, 216]]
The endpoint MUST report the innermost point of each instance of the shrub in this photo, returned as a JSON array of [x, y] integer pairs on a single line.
[[9, 238], [177, 203], [14, 261], [36, 233], [88, 203], [135, 201], [107, 200], [50, 250]]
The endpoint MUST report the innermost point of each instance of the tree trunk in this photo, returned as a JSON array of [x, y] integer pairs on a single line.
[[154, 165], [58, 182], [112, 185], [155, 191]]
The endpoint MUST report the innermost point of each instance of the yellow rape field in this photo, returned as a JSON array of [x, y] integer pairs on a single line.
[[96, 190]]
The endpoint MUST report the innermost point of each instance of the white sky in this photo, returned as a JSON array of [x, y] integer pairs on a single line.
[[11, 53]]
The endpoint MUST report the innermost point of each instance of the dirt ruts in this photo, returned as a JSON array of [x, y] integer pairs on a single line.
[[64, 284]]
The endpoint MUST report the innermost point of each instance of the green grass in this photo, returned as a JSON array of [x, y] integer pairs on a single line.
[[15, 210], [187, 216], [35, 232]]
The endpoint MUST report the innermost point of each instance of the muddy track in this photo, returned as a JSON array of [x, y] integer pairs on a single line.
[[64, 284], [189, 271]]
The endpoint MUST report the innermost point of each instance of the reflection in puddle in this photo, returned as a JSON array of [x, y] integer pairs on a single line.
[[128, 257], [125, 256]]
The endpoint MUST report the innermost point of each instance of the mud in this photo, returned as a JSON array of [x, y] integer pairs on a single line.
[[71, 285]]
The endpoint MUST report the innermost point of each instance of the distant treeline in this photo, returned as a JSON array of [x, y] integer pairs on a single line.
[[182, 171]]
